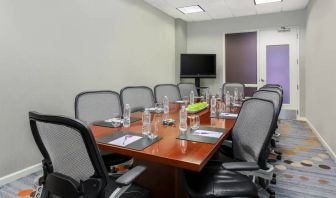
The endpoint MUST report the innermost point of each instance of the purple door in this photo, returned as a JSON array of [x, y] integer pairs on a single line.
[[277, 68]]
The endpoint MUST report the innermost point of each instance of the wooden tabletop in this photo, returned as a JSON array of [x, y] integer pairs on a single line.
[[169, 150]]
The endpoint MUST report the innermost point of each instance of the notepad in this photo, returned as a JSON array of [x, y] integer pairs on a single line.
[[232, 115], [125, 140], [205, 133]]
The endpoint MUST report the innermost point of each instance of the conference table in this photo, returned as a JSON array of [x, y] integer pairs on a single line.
[[167, 158]]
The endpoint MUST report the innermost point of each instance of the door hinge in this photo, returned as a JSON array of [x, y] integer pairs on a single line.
[[297, 87], [297, 36], [297, 112], [297, 61]]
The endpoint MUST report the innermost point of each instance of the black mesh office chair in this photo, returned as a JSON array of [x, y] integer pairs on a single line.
[[250, 134], [275, 95], [94, 106], [72, 166], [138, 97], [186, 88], [273, 85], [170, 90], [230, 87]]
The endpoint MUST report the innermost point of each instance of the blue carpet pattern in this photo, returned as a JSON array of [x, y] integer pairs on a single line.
[[306, 169]]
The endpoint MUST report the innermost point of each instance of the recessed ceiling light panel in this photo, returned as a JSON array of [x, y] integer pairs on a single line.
[[258, 2], [191, 9]]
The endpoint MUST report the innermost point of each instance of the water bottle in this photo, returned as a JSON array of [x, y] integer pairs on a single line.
[[192, 97], [166, 105], [183, 119], [207, 95], [127, 116], [235, 96], [219, 94], [228, 99], [146, 125], [213, 105]]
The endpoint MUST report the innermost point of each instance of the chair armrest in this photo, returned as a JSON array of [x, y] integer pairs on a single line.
[[128, 177], [241, 166]]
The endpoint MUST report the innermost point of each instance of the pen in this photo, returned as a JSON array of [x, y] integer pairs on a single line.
[[126, 136]]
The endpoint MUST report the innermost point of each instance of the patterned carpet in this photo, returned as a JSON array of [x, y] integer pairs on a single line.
[[306, 169]]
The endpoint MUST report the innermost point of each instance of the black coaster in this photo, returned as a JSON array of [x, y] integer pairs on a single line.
[[139, 145], [188, 135], [108, 124]]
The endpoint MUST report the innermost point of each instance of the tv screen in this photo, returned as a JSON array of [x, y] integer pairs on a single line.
[[198, 65]]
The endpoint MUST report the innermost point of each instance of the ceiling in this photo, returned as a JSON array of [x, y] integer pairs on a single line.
[[218, 9]]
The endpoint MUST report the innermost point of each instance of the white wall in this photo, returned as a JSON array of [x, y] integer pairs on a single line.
[[52, 50], [180, 45], [208, 37], [321, 68]]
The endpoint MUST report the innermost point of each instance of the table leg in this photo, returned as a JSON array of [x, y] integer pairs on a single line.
[[161, 180]]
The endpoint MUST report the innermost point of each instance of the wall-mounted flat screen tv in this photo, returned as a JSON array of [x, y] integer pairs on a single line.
[[198, 66]]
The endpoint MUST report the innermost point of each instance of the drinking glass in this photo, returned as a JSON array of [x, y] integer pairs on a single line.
[[195, 122], [154, 131], [145, 123], [185, 100], [219, 107], [115, 120], [158, 107], [241, 97]]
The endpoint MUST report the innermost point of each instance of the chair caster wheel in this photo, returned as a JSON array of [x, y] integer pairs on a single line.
[[279, 157], [271, 192], [274, 175], [272, 196], [273, 181]]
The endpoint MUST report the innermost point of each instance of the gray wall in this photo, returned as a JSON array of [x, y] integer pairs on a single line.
[[321, 68], [208, 37], [180, 45], [52, 50]]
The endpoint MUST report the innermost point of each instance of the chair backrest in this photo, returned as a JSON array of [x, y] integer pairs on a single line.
[[274, 96], [230, 87], [138, 97], [97, 105], [186, 88], [277, 89], [273, 85], [252, 131], [68, 149], [170, 90]]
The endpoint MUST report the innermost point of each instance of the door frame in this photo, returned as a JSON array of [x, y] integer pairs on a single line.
[[259, 84]]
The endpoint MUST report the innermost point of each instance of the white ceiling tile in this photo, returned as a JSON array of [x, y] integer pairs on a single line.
[[241, 7], [216, 9], [289, 5], [269, 8], [199, 17]]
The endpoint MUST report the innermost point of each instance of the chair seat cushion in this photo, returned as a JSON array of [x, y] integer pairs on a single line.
[[217, 182]]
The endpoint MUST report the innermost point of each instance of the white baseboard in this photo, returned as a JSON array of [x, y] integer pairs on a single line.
[[19, 174], [323, 142]]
